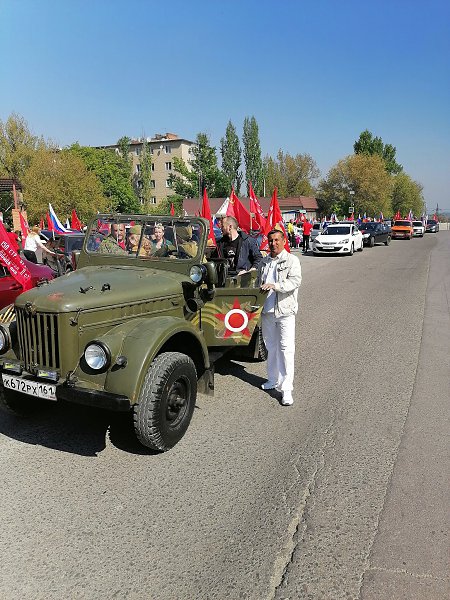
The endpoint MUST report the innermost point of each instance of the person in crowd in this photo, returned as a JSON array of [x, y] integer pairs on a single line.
[[114, 243], [133, 241], [159, 245], [291, 233], [238, 248], [187, 247], [280, 276], [307, 226], [13, 238], [34, 248]]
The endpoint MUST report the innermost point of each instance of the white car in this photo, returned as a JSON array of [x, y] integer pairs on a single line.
[[418, 229], [339, 238]]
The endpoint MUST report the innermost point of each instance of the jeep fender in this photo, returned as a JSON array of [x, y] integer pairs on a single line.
[[140, 341]]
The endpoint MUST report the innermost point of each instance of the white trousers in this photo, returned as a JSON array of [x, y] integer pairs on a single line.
[[279, 338]]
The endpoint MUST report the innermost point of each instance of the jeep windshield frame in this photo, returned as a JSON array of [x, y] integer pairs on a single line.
[[146, 238]]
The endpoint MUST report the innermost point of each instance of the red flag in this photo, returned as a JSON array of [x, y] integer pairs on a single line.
[[255, 209], [237, 210], [435, 217], [75, 221], [41, 223], [397, 216], [206, 214], [352, 217], [12, 261], [172, 209], [274, 221], [49, 223], [24, 227]]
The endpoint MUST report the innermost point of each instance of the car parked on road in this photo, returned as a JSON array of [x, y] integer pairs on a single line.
[[432, 226], [418, 228], [63, 244], [339, 238], [375, 233], [10, 288], [316, 229], [402, 229]]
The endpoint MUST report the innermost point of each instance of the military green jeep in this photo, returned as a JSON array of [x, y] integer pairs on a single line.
[[136, 327]]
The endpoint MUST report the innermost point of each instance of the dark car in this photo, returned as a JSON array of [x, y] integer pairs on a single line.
[[432, 226], [10, 288], [375, 233], [64, 244]]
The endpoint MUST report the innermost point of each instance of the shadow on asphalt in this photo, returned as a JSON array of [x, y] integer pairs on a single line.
[[74, 428]]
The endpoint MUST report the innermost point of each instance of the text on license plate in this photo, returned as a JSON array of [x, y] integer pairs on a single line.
[[32, 388]]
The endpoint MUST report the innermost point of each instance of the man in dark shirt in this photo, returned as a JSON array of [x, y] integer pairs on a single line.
[[238, 248]]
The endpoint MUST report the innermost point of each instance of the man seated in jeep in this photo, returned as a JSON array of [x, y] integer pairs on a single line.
[[114, 243]]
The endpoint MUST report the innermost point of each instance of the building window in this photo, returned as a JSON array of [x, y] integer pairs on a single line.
[[153, 166], [168, 166], [137, 151], [168, 183], [138, 169], [153, 200], [152, 183], [167, 149]]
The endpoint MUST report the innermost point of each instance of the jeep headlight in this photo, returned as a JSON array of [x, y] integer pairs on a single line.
[[5, 340], [97, 356], [197, 273]]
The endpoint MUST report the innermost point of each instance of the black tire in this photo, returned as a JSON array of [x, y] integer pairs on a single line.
[[21, 404], [372, 242], [388, 241], [362, 246], [166, 401], [352, 249]]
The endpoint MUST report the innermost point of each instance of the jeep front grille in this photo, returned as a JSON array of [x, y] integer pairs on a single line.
[[38, 339]]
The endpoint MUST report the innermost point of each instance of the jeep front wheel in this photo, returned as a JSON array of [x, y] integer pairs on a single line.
[[166, 402]]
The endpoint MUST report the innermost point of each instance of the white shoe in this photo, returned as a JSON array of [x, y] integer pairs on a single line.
[[287, 399], [268, 385]]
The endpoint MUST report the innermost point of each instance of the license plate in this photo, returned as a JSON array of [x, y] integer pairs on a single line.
[[32, 388]]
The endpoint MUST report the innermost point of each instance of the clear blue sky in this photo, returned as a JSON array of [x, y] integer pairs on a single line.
[[314, 74]]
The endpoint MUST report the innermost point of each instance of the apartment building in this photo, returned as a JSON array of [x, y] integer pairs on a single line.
[[163, 147]]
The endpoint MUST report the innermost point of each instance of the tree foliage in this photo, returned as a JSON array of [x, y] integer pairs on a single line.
[[113, 174], [368, 146], [254, 171], [61, 178], [17, 147], [407, 195], [123, 145], [189, 181], [292, 175], [230, 151], [364, 175], [143, 179]]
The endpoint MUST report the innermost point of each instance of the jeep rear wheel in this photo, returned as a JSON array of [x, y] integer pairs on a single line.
[[166, 402]]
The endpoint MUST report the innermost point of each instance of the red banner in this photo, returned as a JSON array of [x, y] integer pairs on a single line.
[[12, 261], [274, 221], [206, 214]]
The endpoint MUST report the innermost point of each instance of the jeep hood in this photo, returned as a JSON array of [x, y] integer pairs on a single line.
[[102, 286]]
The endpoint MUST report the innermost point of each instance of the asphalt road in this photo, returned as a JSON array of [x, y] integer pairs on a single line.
[[341, 496]]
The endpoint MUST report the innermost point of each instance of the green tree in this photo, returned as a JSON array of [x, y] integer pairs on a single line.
[[254, 171], [189, 180], [61, 178], [292, 175], [407, 195], [368, 146], [230, 151], [143, 179], [363, 175], [123, 145], [113, 174], [17, 147]]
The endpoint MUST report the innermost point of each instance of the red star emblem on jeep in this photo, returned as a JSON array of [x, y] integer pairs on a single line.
[[236, 320]]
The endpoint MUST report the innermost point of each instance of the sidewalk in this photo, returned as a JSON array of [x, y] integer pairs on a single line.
[[409, 557]]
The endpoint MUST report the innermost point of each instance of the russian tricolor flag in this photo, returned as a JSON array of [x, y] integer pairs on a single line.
[[58, 227]]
